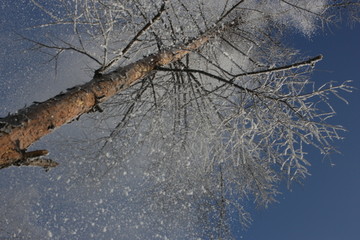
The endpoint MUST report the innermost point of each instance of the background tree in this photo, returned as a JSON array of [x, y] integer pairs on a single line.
[[224, 119]]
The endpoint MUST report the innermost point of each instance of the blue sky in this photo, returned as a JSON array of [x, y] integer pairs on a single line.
[[325, 207]]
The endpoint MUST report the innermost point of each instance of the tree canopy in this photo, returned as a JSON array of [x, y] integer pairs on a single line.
[[195, 107]]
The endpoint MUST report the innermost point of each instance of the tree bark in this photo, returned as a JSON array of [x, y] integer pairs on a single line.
[[18, 131]]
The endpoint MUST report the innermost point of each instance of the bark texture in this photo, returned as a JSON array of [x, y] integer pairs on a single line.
[[18, 131]]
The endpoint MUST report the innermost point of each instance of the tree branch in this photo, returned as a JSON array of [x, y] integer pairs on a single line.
[[132, 41], [39, 119]]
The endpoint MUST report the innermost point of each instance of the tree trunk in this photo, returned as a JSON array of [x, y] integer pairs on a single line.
[[18, 131]]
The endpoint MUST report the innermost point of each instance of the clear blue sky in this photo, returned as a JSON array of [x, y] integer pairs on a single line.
[[326, 207]]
